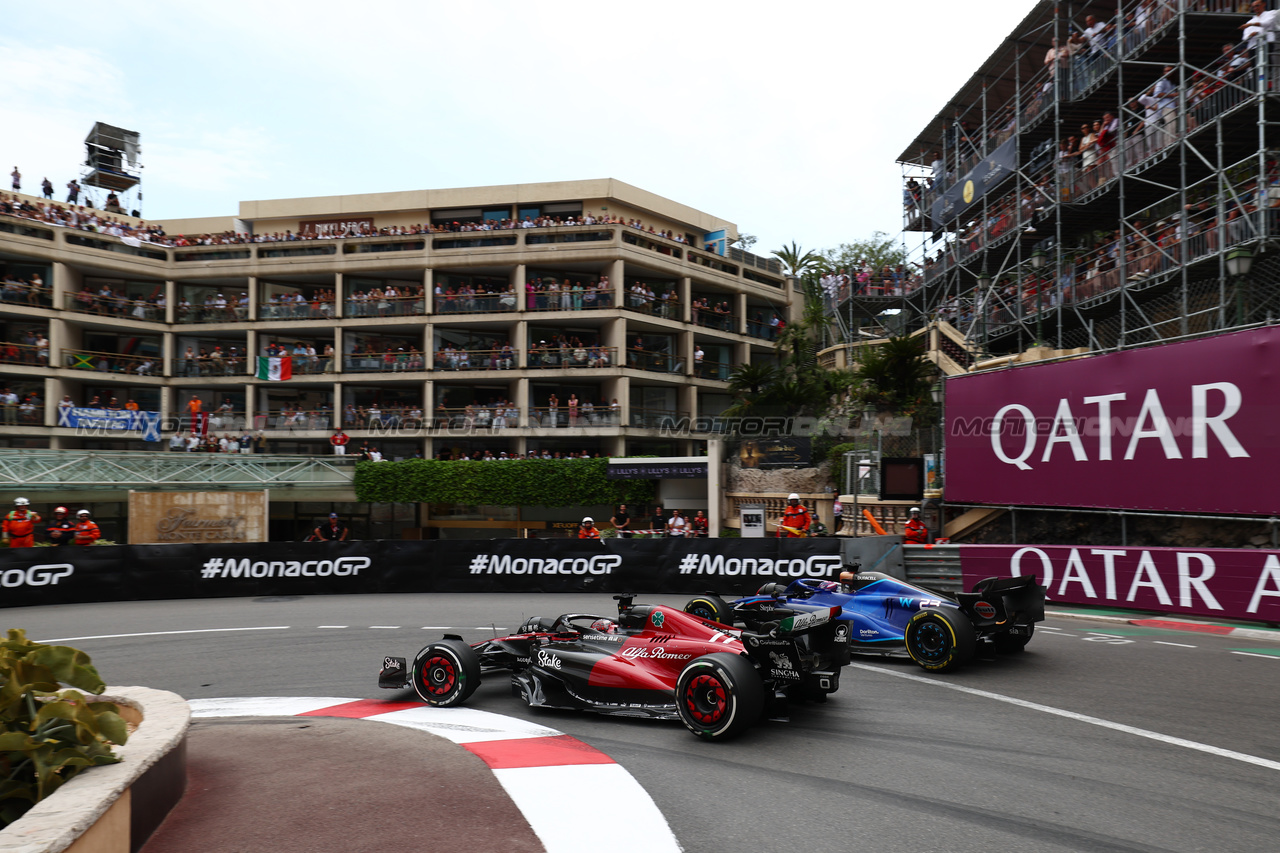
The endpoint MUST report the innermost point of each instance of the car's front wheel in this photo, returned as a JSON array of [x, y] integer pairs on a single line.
[[719, 696], [446, 673], [939, 640], [709, 607]]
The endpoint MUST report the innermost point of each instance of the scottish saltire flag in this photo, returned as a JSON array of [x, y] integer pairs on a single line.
[[275, 369]]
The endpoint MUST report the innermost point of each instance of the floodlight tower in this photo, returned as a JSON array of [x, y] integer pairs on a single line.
[[112, 164]]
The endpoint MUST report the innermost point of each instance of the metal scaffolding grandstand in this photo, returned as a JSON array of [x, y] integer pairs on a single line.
[[1164, 227]]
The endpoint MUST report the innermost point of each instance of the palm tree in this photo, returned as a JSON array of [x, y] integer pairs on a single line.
[[798, 261], [895, 375]]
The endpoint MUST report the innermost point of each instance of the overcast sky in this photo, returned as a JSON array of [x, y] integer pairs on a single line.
[[785, 118]]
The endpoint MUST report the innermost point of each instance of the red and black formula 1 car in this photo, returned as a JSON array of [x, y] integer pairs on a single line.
[[649, 661]]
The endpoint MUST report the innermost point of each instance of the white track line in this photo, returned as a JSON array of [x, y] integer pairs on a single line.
[[167, 633], [1084, 718]]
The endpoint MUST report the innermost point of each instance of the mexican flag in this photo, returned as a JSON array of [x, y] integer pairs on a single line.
[[275, 369]]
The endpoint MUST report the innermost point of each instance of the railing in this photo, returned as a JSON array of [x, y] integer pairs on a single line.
[[668, 309], [207, 365], [25, 293], [479, 359], [713, 318], [111, 362], [285, 309], [561, 416], [712, 370], [230, 313], [477, 417], [293, 419], [652, 418], [760, 328], [653, 361], [586, 299], [36, 355], [399, 361], [392, 417], [571, 356], [366, 305], [134, 308], [475, 303], [22, 414]]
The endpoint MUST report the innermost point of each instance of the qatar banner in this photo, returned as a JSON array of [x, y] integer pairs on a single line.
[[1186, 427], [1218, 582]]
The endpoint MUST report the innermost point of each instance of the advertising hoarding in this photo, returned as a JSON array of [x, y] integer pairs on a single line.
[[1186, 427]]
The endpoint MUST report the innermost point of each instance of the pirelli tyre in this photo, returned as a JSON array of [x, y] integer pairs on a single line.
[[719, 696], [1008, 643], [446, 673], [939, 640], [710, 607]]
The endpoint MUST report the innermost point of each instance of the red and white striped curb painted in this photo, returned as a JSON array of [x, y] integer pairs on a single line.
[[539, 767]]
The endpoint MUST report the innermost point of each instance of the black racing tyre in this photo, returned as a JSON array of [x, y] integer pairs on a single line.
[[710, 607], [719, 696], [446, 673], [939, 640], [1007, 644]]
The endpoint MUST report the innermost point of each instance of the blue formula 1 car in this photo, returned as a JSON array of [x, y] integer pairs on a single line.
[[888, 616]]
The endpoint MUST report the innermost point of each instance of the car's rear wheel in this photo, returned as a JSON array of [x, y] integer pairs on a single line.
[[446, 673], [1008, 644], [709, 607], [719, 696], [940, 641]]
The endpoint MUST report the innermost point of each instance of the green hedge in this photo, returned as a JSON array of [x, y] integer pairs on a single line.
[[511, 482]]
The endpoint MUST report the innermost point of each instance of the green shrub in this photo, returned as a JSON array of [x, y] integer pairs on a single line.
[[511, 482], [47, 734]]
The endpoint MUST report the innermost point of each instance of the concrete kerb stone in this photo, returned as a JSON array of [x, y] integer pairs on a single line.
[[55, 823]]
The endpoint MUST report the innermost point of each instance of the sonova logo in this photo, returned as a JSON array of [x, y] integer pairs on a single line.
[[42, 575]]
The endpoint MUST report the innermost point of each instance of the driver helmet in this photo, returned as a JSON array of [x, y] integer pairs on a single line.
[[21, 502], [588, 520], [829, 586], [84, 513], [915, 510], [793, 498], [62, 510], [604, 626]]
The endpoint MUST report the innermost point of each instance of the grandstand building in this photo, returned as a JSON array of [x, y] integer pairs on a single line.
[[563, 317], [560, 318]]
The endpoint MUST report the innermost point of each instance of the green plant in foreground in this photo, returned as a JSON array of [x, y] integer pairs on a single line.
[[47, 734]]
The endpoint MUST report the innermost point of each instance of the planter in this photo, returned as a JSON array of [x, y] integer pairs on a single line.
[[115, 808]]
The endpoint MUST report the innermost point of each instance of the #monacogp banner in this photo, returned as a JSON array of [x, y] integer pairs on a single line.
[[37, 576], [1186, 427]]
